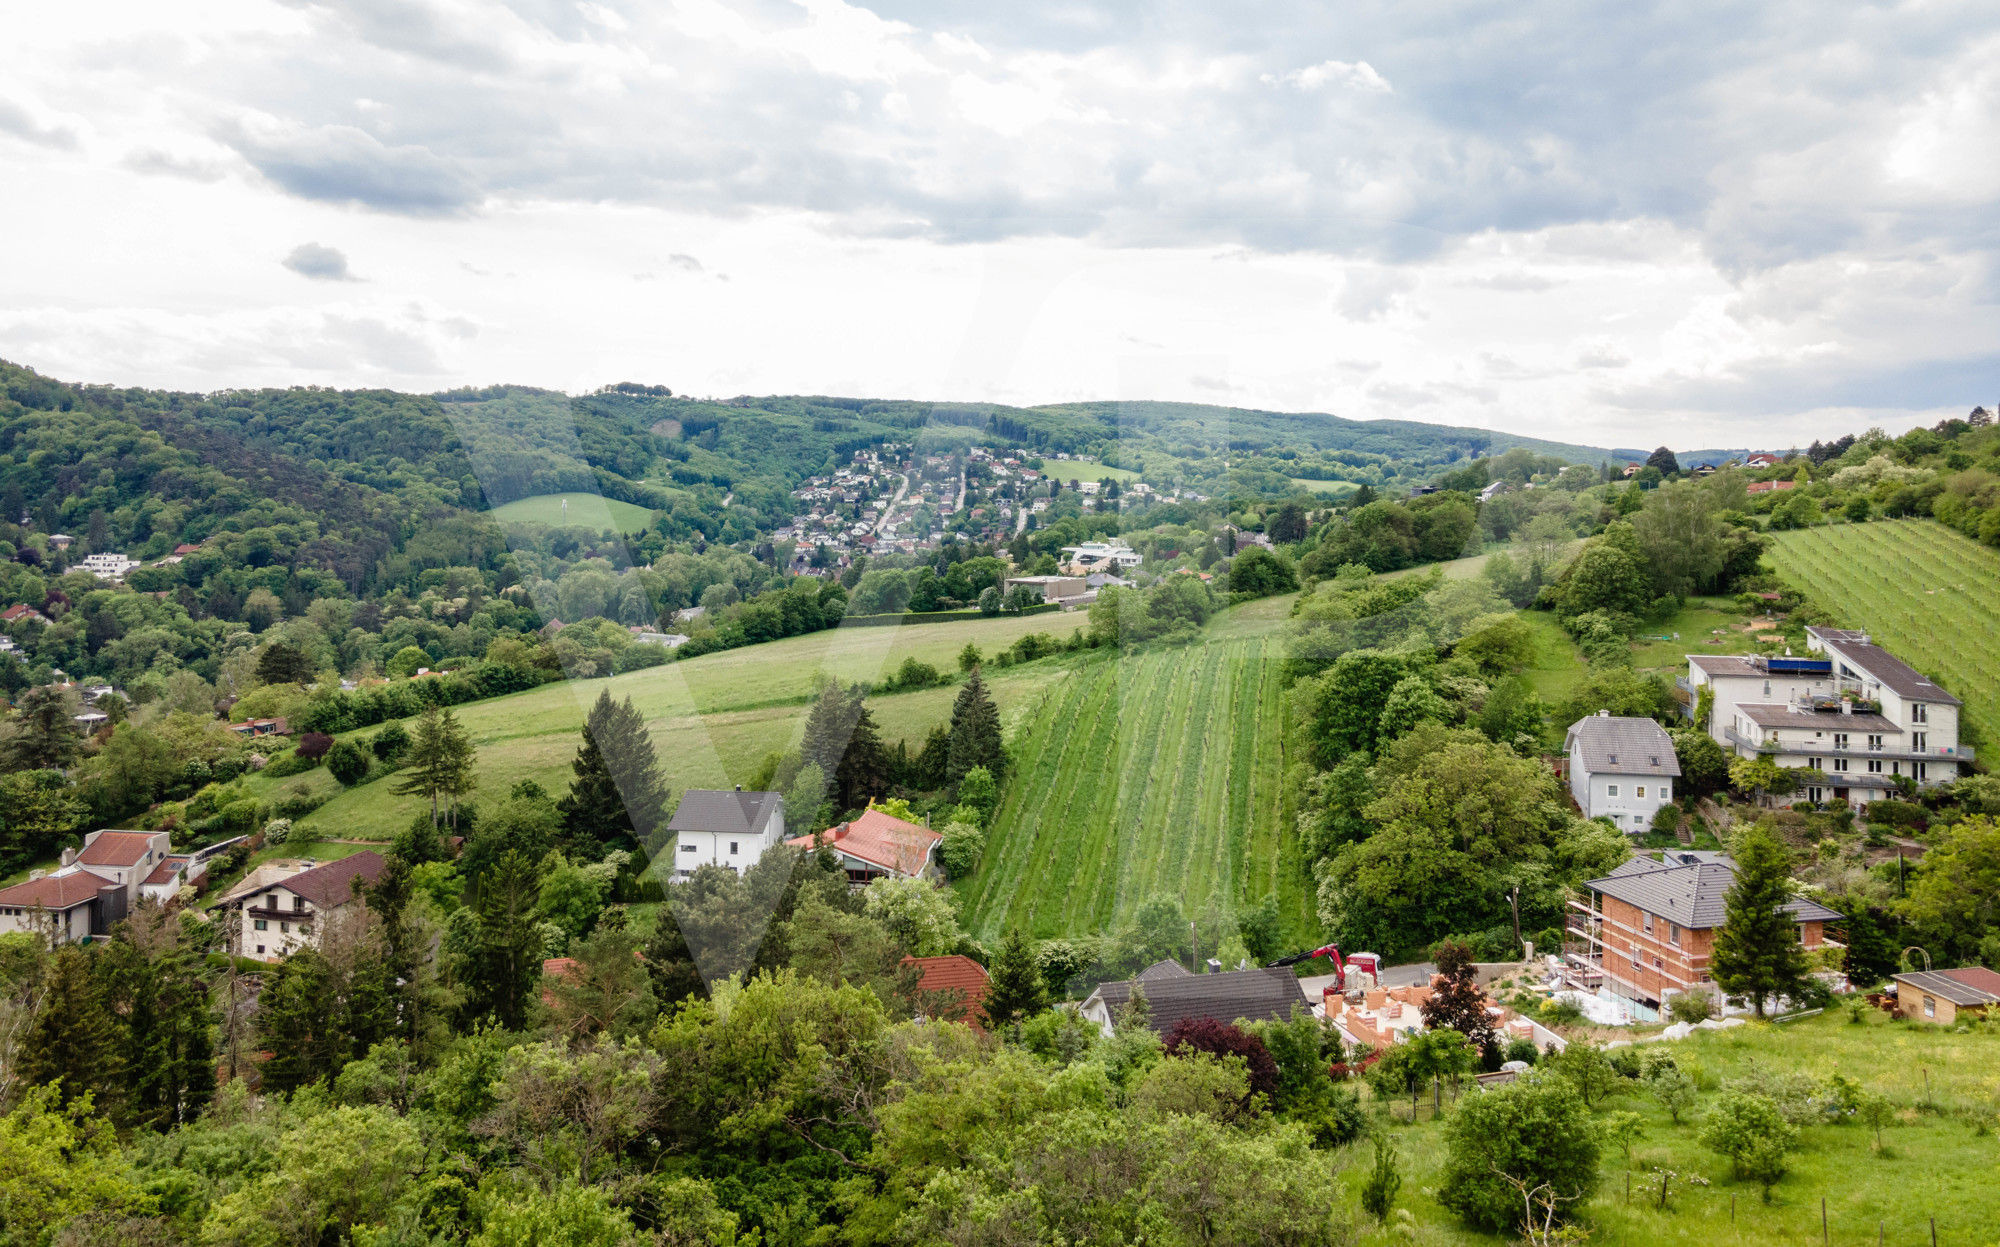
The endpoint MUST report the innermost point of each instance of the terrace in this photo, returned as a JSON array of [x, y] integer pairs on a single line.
[[1840, 746]]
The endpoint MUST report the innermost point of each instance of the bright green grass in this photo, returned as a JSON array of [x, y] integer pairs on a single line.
[[1937, 1165], [585, 511], [1928, 593], [713, 718], [1159, 773], [1558, 664], [1695, 622], [1326, 487]]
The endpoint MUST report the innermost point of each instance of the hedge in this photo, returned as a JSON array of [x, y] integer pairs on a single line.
[[926, 617], [343, 710]]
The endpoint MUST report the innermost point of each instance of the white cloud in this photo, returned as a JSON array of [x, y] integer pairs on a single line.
[[1354, 75]]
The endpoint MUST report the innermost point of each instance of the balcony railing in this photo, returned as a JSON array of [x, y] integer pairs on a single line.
[[1828, 748]]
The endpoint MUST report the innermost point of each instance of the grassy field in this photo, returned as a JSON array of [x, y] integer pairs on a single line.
[[1057, 469], [1156, 774], [1330, 488], [712, 718], [1930, 594], [585, 511], [1940, 1160]]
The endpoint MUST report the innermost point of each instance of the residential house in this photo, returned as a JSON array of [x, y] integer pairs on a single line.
[[958, 973], [1100, 555], [1646, 931], [284, 906], [1492, 491], [94, 887], [1631, 470], [1859, 719], [1765, 487], [108, 566], [877, 845], [1947, 996], [1620, 768], [1761, 459], [712, 827], [1173, 993], [1052, 588], [18, 614], [261, 727]]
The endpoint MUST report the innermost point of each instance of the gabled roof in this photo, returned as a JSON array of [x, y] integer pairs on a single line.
[[333, 884], [736, 813], [1859, 651], [1261, 994], [1783, 717], [167, 871], [1970, 985], [1622, 746], [881, 841], [955, 971], [116, 848], [1167, 969], [55, 892], [1690, 889]]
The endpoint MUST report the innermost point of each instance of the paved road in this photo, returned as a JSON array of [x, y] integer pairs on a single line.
[[891, 508]]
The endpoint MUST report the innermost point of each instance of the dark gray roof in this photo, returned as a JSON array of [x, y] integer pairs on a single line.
[[725, 812], [1953, 985], [1168, 969], [1771, 714], [1261, 994], [1690, 892], [1861, 654], [1619, 746]]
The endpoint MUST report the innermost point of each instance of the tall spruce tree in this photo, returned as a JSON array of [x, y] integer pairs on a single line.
[[40, 734], [508, 957], [158, 993], [73, 1036], [438, 766], [863, 773], [618, 795], [1757, 952], [1015, 991], [975, 732]]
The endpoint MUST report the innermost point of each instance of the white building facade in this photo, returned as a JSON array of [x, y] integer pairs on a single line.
[[1623, 769], [713, 827]]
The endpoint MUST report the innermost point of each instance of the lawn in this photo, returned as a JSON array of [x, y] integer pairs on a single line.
[[1069, 473], [586, 510], [1155, 774], [712, 718], [1930, 594], [1665, 646], [1558, 664], [1940, 1161], [1326, 487]]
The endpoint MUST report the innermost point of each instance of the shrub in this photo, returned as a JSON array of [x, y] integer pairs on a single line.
[[1534, 1130], [390, 743], [293, 763], [1691, 1007], [960, 852], [277, 831], [1749, 1130], [348, 762], [1221, 1039], [1378, 1193], [1521, 1048], [314, 745]]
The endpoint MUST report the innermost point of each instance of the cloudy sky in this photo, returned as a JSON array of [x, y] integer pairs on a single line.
[[1700, 223]]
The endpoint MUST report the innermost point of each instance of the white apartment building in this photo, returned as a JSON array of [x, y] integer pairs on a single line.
[[108, 566], [1622, 769], [1098, 555], [1850, 710]]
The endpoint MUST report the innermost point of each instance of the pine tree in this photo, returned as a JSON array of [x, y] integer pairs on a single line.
[[1015, 990], [297, 1022], [827, 729], [73, 1036], [508, 958], [863, 773], [618, 794], [670, 962], [40, 734], [285, 664], [1757, 952], [975, 732], [158, 993], [439, 764]]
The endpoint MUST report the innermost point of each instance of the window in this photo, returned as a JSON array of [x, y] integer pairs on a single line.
[[1920, 769], [1813, 795], [1918, 739], [1840, 740], [284, 928], [1666, 792], [298, 904], [1767, 688], [1874, 742], [687, 848], [1649, 924], [1874, 766], [1611, 790], [1674, 934], [1840, 764], [260, 948], [1930, 1007], [1641, 792], [262, 925], [1919, 712], [732, 848]]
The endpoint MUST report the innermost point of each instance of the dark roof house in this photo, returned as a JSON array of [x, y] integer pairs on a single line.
[[1690, 888], [1609, 745], [719, 810], [1262, 994]]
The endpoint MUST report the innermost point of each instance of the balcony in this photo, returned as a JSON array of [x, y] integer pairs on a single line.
[[1827, 748]]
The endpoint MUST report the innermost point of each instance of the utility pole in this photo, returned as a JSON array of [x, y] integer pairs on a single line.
[[1195, 937]]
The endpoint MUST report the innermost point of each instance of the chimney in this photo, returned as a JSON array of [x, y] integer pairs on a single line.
[[69, 857], [1846, 706], [1604, 714], [739, 788]]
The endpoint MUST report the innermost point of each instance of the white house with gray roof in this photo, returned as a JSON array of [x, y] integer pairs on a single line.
[[1622, 769], [713, 827], [1863, 720]]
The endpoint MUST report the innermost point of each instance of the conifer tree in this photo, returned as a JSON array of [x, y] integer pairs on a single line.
[[157, 992], [1757, 952], [975, 732], [618, 794], [439, 764], [508, 957], [40, 734], [73, 1036], [1015, 991], [863, 773]]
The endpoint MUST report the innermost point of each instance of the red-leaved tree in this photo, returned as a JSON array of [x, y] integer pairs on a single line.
[[314, 745], [1458, 1003], [1221, 1039]]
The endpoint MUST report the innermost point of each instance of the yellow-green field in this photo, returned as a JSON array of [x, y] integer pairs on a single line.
[[585, 511], [1941, 1159], [1928, 593], [712, 718], [1156, 774]]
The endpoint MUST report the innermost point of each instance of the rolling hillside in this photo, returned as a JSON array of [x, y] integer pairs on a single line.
[[1156, 774], [1930, 594]]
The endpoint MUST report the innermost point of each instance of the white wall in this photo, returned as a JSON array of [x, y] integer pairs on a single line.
[[1626, 808], [694, 849]]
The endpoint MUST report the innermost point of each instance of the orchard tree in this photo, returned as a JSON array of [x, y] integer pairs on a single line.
[[1534, 1131]]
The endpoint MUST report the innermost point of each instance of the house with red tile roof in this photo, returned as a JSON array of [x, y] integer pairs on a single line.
[[877, 844], [958, 974], [285, 905], [15, 614], [94, 887]]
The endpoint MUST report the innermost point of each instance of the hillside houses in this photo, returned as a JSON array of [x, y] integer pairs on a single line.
[[94, 887], [284, 906], [1860, 720], [713, 827], [878, 844]]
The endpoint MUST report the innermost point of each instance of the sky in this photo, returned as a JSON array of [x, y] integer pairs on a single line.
[[1693, 223]]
